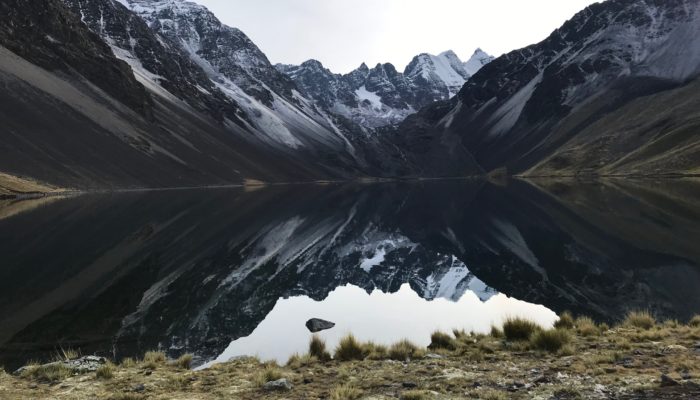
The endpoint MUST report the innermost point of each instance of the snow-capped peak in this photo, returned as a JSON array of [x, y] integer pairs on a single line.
[[477, 61], [445, 68]]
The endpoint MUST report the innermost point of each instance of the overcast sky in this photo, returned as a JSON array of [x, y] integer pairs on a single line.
[[344, 33]]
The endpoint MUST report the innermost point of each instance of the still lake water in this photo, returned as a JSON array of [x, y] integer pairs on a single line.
[[222, 273]]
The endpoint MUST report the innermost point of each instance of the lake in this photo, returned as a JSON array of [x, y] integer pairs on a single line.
[[227, 272]]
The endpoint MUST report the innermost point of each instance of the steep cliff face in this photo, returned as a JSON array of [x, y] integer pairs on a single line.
[[50, 36], [524, 106]]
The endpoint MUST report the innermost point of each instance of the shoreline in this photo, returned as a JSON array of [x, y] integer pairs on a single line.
[[578, 359], [358, 181]]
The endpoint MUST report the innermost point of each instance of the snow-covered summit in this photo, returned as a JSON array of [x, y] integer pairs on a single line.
[[382, 96], [477, 61]]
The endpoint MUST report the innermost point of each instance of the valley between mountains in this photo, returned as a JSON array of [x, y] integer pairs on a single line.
[[120, 94]]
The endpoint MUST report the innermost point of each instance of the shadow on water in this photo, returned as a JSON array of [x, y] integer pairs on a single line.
[[192, 271]]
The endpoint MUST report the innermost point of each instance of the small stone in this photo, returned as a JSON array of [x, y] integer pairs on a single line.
[[139, 388], [476, 384], [434, 356], [542, 379], [409, 385], [278, 385], [686, 376], [33, 386], [675, 348], [667, 381], [317, 325]]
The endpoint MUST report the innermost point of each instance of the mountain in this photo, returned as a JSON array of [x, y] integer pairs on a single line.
[[610, 92], [477, 61], [381, 96], [115, 94]]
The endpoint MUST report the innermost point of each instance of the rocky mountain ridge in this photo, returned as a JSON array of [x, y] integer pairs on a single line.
[[382, 96], [529, 110]]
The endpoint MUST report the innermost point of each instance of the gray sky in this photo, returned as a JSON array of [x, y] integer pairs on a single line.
[[344, 33]]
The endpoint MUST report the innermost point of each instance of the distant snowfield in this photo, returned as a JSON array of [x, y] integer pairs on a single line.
[[381, 317]]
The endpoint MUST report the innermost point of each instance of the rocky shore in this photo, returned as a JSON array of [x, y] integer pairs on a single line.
[[638, 359]]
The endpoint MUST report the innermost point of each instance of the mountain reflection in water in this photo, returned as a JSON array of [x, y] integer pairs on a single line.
[[193, 271]]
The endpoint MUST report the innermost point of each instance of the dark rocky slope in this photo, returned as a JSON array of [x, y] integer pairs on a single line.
[[541, 102]]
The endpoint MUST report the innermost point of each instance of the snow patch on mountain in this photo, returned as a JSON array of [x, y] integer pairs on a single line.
[[477, 61], [381, 96]]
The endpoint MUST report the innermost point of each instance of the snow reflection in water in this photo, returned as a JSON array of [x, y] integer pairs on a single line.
[[380, 317]]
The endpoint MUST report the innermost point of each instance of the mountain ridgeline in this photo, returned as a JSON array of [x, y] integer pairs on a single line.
[[160, 93], [614, 91], [382, 96]]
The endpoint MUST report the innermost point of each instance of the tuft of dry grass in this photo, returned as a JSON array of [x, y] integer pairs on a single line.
[[106, 371], [496, 333], [551, 340], [297, 361], [441, 340], [128, 362], [376, 351], [695, 322], [566, 321], [184, 362], [346, 392], [67, 354], [349, 349], [269, 373], [55, 372], [493, 395], [460, 334], [405, 350], [640, 319], [415, 395], [587, 327], [519, 329], [155, 356], [126, 396], [317, 348]]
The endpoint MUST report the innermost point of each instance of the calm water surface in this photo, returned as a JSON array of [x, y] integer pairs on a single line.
[[222, 273]]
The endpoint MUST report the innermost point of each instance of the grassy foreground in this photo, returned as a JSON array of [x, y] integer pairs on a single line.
[[638, 359]]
